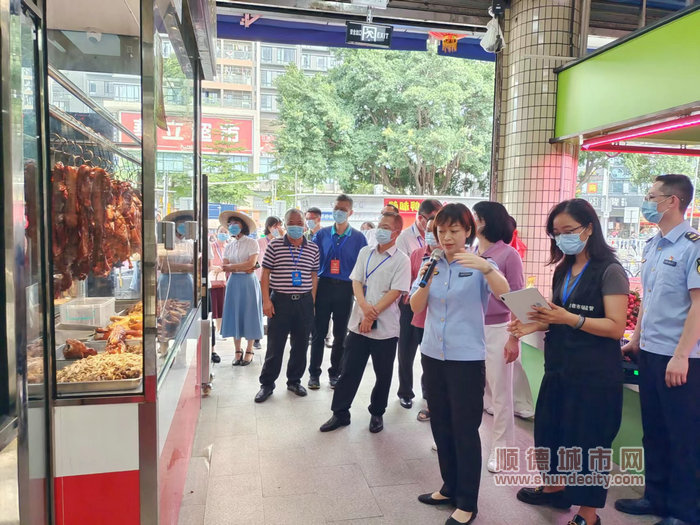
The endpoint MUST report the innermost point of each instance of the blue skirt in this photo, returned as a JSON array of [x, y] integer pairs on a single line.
[[243, 315]]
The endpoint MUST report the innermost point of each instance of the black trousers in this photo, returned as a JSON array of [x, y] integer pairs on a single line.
[[576, 412], [334, 297], [456, 400], [358, 349], [671, 424], [409, 339], [292, 319]]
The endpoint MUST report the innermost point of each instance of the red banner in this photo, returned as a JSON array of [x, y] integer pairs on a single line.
[[408, 208], [218, 135], [267, 144]]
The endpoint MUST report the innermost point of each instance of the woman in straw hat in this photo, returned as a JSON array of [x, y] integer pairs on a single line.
[[242, 316], [177, 266]]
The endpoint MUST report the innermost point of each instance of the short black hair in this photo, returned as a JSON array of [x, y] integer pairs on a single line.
[[315, 211], [392, 206], [455, 213], [583, 213], [344, 198], [429, 206], [678, 185], [499, 225], [244, 225], [270, 222], [398, 220]]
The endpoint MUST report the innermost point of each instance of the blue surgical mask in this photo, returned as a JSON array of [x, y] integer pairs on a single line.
[[295, 232], [310, 224], [383, 236], [340, 216], [181, 229], [570, 243], [650, 211], [234, 229], [276, 233], [223, 237], [430, 239]]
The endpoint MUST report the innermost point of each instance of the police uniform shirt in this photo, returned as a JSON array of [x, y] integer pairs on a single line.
[[389, 270], [457, 303], [670, 269], [410, 240]]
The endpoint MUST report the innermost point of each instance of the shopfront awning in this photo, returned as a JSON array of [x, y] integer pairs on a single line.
[[638, 94], [332, 34]]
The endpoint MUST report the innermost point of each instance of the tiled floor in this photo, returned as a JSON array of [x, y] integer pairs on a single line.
[[268, 463]]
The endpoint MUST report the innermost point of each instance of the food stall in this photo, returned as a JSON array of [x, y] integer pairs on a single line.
[[102, 255]]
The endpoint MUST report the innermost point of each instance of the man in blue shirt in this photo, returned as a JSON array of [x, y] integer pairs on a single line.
[[667, 343], [339, 246]]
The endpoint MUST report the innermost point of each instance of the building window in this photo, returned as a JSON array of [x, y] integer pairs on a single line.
[[236, 75], [167, 49], [170, 162], [92, 88], [268, 102], [127, 92], [108, 88], [286, 55], [211, 97], [268, 77], [267, 165], [240, 163], [237, 99], [305, 60], [266, 54]]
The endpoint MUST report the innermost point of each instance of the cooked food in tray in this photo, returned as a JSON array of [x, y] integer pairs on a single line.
[[102, 367], [75, 349], [170, 315], [35, 370]]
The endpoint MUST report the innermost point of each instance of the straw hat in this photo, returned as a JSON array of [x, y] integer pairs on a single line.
[[181, 215], [226, 216]]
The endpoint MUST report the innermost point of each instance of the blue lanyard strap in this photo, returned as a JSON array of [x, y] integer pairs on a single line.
[[566, 291], [419, 238], [337, 245], [367, 272], [291, 254]]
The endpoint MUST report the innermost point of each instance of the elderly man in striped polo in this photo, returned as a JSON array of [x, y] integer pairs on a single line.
[[289, 280]]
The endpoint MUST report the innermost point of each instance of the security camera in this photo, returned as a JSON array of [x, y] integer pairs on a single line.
[[94, 36]]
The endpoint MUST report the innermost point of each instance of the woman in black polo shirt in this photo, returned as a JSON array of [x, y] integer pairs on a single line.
[[580, 399]]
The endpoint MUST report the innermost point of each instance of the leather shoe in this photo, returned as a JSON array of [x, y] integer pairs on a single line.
[[314, 383], [333, 423], [376, 424], [452, 521], [538, 496], [672, 521], [406, 402], [333, 381], [578, 520], [429, 500], [637, 507], [297, 389], [263, 394]]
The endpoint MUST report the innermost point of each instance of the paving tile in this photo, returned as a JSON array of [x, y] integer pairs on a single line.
[[399, 504], [236, 421], [344, 493], [191, 515], [285, 472], [196, 483], [234, 500], [234, 456], [293, 509]]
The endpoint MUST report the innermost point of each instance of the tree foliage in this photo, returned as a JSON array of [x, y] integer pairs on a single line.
[[414, 122]]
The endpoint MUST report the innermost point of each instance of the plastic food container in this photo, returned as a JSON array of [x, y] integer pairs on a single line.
[[90, 311]]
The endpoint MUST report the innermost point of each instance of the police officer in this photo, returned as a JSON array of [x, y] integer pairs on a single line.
[[666, 342]]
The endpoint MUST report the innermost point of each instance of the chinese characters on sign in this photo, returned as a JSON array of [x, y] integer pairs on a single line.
[[368, 34], [407, 209], [218, 135]]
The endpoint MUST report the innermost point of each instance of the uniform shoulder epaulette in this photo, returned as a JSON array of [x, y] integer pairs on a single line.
[[693, 236]]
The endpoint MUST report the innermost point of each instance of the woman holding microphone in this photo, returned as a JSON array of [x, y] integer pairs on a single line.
[[453, 352], [580, 399]]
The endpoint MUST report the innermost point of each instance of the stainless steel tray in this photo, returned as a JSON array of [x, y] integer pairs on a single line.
[[116, 385]]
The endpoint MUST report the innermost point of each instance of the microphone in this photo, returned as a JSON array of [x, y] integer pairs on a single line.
[[434, 258]]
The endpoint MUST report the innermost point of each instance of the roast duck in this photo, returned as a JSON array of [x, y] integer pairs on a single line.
[[96, 223]]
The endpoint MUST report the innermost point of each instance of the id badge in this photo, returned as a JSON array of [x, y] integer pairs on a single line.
[[296, 278], [335, 266]]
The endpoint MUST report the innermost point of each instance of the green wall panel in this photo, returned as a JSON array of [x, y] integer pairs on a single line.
[[655, 71]]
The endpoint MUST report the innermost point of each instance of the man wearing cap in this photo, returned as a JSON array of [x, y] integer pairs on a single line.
[[289, 282], [339, 246]]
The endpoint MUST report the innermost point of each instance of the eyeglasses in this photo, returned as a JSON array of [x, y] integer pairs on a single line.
[[650, 197], [553, 235]]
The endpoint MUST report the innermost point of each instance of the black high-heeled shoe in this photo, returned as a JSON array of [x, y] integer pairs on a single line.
[[238, 360], [246, 362]]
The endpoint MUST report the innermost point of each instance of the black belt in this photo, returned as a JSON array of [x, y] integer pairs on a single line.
[[292, 296], [331, 280]]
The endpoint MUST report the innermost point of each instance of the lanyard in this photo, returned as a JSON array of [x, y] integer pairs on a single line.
[[338, 245], [367, 272], [291, 254], [566, 291], [419, 238]]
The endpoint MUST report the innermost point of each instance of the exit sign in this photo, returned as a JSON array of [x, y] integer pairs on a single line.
[[362, 34]]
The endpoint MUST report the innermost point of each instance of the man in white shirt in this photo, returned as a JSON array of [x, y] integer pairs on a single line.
[[413, 237], [370, 234], [379, 278]]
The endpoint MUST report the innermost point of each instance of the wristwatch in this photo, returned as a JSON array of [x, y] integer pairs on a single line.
[[579, 323]]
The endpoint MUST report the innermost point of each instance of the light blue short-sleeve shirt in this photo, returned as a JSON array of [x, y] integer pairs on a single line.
[[457, 303], [670, 269]]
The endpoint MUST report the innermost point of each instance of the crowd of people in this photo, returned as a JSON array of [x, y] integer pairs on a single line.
[[437, 285]]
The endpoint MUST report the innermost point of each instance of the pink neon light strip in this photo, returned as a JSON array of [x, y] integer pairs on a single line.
[[653, 129], [621, 148]]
